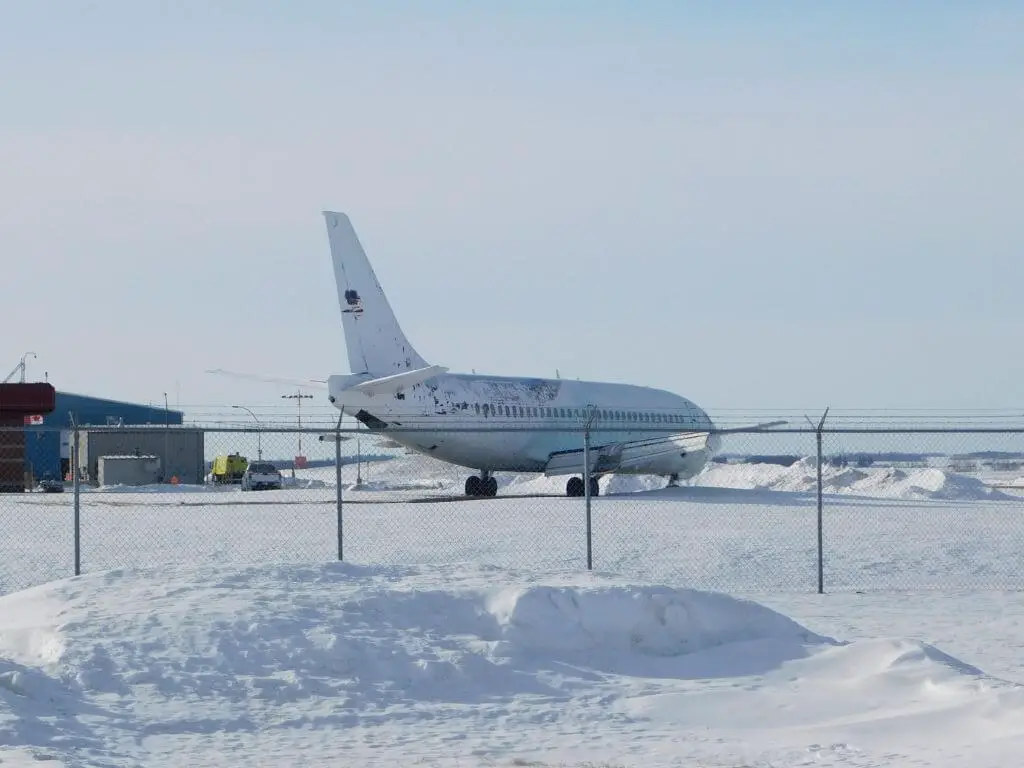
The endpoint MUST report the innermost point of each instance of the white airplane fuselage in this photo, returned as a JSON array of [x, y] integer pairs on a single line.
[[498, 423]]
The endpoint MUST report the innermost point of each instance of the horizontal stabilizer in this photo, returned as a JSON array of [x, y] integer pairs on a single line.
[[310, 383], [389, 385]]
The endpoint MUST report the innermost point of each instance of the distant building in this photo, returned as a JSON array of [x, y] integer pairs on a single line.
[[171, 454], [47, 445]]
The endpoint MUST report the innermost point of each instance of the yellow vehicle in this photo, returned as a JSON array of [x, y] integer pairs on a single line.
[[229, 469]]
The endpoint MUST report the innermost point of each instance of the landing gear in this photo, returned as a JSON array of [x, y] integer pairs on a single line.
[[575, 487], [490, 486], [673, 481], [481, 486]]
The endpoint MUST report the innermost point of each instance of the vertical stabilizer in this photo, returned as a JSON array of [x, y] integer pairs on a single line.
[[375, 342]]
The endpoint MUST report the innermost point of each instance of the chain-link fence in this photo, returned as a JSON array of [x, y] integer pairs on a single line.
[[773, 511]]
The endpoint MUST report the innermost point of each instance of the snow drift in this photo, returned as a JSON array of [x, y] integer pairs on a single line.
[[880, 482], [447, 665]]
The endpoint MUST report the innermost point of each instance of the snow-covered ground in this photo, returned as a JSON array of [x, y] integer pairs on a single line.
[[462, 665], [330, 664], [212, 628]]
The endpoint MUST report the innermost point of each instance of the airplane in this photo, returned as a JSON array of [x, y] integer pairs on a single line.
[[500, 423]]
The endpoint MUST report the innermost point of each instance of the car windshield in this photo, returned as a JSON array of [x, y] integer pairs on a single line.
[[255, 467]]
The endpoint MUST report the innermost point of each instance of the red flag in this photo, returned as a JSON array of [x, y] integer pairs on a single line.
[[33, 420]]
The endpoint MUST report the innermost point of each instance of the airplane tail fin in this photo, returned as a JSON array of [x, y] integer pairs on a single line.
[[375, 341]]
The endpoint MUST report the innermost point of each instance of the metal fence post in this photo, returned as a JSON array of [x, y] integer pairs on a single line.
[[339, 501], [821, 537], [76, 479], [586, 494], [588, 420]]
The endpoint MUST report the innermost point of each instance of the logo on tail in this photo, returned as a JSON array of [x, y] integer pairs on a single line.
[[355, 304]]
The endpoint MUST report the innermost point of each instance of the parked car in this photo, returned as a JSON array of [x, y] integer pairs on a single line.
[[260, 475], [51, 485]]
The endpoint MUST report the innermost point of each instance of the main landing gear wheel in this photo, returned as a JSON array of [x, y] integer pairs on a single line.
[[575, 487], [477, 487]]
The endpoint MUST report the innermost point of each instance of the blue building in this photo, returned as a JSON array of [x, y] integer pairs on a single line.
[[47, 445]]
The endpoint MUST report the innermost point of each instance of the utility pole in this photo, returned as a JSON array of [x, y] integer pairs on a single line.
[[167, 439], [298, 397], [259, 431]]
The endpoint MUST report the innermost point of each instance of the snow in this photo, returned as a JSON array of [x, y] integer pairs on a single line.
[[416, 473], [465, 665], [212, 628], [874, 482]]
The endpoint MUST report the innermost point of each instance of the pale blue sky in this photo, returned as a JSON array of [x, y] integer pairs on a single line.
[[756, 205]]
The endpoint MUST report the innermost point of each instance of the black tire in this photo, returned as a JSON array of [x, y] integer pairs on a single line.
[[595, 488], [489, 487], [575, 487], [474, 486]]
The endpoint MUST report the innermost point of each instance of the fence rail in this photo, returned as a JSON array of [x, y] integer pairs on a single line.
[[788, 509]]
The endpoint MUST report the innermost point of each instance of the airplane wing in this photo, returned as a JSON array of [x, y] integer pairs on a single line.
[[647, 455], [751, 427], [309, 383], [628, 456]]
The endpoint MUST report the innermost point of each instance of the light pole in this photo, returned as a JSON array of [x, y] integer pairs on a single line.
[[298, 397], [259, 431]]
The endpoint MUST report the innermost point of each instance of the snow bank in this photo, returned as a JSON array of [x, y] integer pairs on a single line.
[[648, 620], [883, 482], [420, 474], [282, 665]]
